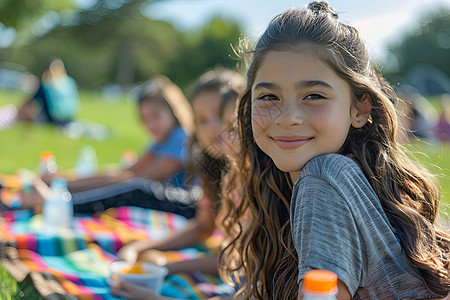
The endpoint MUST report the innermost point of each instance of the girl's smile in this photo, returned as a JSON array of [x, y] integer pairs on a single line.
[[300, 109], [290, 141]]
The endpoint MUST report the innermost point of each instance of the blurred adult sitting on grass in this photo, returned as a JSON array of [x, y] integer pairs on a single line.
[[168, 117], [419, 117], [443, 127], [56, 100]]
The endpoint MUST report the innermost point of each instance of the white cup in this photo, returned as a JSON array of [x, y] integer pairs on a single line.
[[152, 276]]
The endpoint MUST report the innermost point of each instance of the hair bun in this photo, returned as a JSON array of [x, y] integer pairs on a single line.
[[322, 6]]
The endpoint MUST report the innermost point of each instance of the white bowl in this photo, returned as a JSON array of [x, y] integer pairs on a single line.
[[151, 278]]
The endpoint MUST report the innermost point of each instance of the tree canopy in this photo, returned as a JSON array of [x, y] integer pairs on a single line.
[[112, 42], [428, 43]]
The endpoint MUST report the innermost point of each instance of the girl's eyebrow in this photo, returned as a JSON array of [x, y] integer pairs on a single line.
[[298, 85], [313, 83], [267, 85]]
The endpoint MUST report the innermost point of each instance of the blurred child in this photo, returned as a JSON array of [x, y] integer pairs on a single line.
[[168, 117], [443, 126], [212, 110], [420, 118]]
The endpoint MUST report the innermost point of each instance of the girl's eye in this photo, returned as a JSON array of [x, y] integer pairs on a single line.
[[314, 97], [268, 97]]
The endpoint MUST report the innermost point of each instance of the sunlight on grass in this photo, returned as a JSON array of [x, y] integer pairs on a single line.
[[23, 142], [436, 158], [10, 289]]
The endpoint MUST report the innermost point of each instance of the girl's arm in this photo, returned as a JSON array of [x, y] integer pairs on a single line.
[[207, 265], [160, 169], [197, 230], [148, 166], [99, 180], [112, 177], [343, 293], [104, 178], [136, 292]]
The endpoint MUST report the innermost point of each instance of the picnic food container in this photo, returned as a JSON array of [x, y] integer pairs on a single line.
[[144, 274]]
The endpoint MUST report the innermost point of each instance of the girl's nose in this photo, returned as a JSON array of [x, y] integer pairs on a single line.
[[289, 115]]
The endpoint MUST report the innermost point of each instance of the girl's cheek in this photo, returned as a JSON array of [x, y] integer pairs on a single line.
[[203, 131], [318, 114], [262, 117]]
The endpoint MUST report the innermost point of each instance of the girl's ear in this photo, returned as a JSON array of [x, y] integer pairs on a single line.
[[361, 112]]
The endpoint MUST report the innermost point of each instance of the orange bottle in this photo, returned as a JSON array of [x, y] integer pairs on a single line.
[[319, 285]]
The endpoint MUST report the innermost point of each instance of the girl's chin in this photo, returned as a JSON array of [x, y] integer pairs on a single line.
[[289, 168]]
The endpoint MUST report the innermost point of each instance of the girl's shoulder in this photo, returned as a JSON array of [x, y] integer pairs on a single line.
[[179, 132], [331, 165], [338, 173]]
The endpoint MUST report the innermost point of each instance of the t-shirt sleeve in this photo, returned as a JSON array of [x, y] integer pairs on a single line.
[[175, 147], [324, 232]]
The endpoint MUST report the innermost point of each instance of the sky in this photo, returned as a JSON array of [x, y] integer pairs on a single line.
[[380, 22]]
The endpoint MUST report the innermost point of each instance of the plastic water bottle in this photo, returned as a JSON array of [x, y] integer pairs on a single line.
[[58, 207], [47, 163], [319, 285], [86, 164], [26, 178]]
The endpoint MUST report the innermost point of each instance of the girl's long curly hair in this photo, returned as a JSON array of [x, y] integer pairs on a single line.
[[260, 251]]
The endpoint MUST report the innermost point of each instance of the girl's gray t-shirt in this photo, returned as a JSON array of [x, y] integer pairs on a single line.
[[338, 224]]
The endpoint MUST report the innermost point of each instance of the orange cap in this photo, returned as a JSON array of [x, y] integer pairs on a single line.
[[46, 155], [321, 281]]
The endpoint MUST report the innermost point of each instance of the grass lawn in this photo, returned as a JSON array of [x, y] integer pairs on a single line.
[[10, 289], [21, 144], [437, 159]]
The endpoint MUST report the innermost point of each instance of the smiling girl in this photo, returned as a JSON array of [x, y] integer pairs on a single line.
[[327, 185]]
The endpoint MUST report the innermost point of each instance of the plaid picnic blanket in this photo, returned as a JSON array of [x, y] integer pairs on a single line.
[[75, 264]]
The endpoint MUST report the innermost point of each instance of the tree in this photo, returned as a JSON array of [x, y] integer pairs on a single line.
[[112, 42], [428, 43], [23, 15], [123, 51], [130, 50], [206, 48]]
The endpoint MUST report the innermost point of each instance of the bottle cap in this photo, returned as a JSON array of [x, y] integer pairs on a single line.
[[129, 157], [46, 155], [59, 181], [320, 281]]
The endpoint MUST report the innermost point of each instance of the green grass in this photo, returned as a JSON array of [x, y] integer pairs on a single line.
[[436, 158], [21, 144], [10, 289]]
